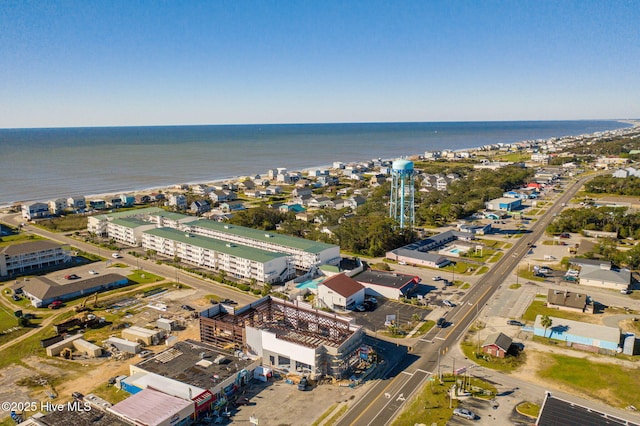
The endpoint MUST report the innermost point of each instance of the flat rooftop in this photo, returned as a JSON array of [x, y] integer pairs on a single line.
[[93, 417], [386, 279], [558, 412], [183, 362]]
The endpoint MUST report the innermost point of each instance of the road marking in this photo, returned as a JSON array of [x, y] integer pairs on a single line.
[[423, 371], [407, 373], [440, 338]]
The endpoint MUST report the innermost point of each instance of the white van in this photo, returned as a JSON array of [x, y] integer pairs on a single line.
[[116, 256]]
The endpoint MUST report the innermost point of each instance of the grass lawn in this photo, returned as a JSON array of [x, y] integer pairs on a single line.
[[496, 257], [470, 349], [424, 328], [482, 270], [458, 267], [110, 393], [515, 286], [485, 254], [142, 277], [7, 319], [431, 405], [538, 307], [615, 385], [9, 240], [65, 223], [528, 409]]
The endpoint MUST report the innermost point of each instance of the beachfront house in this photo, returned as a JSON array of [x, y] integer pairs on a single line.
[[57, 206], [35, 210], [200, 206], [127, 200], [114, 202], [76, 203], [179, 201]]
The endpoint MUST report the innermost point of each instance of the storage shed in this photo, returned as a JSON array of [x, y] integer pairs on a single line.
[[143, 335], [124, 345], [166, 324]]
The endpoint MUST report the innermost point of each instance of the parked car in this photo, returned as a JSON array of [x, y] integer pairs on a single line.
[[92, 272], [187, 308], [441, 323], [116, 256], [77, 395], [369, 306], [145, 354], [55, 304], [242, 400], [514, 322], [228, 302], [463, 412], [625, 291], [302, 385], [448, 303], [437, 278], [71, 277], [372, 300], [15, 297], [359, 308], [565, 235], [544, 270]]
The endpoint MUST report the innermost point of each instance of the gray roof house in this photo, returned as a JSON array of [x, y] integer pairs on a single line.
[[598, 273], [42, 291]]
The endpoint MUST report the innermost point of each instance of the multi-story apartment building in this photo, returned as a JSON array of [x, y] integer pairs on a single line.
[[128, 231], [236, 260], [306, 253], [32, 256]]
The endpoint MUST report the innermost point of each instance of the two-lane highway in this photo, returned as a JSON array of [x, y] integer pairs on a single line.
[[384, 401]]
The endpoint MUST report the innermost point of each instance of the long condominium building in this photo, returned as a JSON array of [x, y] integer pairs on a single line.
[[236, 260], [306, 253], [128, 228]]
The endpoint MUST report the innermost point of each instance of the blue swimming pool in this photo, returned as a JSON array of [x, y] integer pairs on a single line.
[[310, 283]]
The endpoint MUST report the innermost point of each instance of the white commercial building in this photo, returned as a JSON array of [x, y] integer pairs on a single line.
[[287, 336]]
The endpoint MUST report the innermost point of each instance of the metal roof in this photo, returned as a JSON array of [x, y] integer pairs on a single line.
[[208, 243], [266, 236]]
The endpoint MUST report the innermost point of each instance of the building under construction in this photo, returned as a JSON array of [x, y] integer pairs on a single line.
[[289, 336]]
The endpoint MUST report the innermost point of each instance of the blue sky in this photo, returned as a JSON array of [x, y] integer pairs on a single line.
[[93, 63]]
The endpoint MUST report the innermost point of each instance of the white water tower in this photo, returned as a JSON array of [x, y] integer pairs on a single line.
[[401, 207]]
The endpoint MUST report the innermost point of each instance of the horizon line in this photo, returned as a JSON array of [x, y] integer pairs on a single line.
[[622, 120]]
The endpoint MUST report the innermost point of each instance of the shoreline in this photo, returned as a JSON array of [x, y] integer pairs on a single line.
[[171, 187]]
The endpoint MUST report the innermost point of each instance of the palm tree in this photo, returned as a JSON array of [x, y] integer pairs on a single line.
[[546, 323]]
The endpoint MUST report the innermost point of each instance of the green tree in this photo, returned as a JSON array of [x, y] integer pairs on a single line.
[[546, 322]]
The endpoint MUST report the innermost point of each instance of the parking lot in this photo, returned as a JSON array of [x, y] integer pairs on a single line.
[[279, 403], [374, 320]]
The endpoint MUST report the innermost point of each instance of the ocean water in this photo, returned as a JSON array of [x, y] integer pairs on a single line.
[[40, 164]]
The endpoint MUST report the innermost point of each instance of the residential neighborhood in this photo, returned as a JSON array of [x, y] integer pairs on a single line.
[[203, 297]]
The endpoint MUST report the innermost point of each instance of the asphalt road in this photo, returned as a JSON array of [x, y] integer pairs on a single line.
[[386, 398]]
